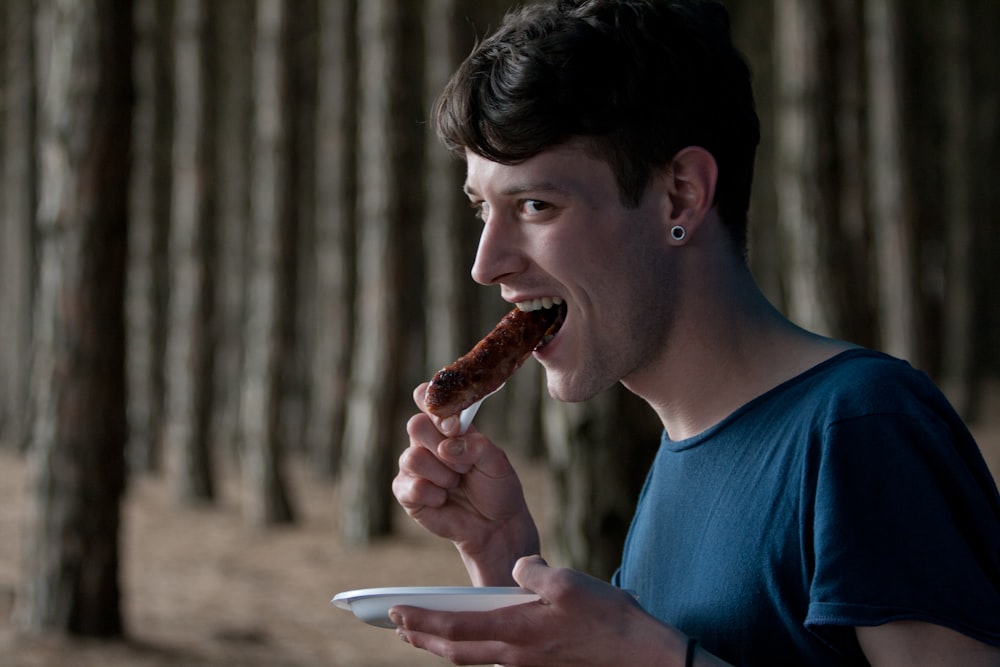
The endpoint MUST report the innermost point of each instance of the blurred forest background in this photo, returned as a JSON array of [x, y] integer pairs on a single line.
[[229, 239]]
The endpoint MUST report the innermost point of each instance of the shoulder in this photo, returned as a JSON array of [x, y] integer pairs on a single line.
[[862, 382], [877, 404]]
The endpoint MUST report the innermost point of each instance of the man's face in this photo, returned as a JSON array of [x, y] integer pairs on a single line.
[[554, 226]]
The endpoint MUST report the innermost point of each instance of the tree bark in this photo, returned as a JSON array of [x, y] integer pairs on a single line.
[[753, 30], [149, 229], [600, 452], [301, 62], [18, 274], [851, 271], [336, 124], [233, 147], [387, 162], [802, 208], [448, 243], [986, 198], [79, 430], [892, 226], [266, 499], [191, 351], [960, 362]]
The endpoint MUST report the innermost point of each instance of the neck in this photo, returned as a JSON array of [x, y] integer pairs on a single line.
[[728, 345]]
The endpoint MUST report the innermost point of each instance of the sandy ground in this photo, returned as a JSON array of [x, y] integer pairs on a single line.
[[202, 590]]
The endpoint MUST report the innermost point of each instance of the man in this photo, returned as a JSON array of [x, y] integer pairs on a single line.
[[812, 502]]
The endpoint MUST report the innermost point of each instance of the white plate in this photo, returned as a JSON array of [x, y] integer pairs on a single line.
[[372, 605]]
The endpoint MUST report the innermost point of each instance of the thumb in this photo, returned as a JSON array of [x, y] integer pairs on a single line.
[[529, 572]]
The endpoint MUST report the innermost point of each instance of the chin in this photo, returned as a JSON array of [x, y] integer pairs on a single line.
[[566, 390]]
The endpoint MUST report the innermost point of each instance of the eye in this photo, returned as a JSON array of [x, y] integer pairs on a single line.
[[533, 206]]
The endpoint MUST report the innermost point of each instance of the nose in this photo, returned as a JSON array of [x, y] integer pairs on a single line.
[[497, 255]]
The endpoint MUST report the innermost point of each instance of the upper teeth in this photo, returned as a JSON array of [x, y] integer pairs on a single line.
[[535, 304]]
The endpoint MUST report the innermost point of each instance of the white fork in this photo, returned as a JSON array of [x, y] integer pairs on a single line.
[[465, 416]]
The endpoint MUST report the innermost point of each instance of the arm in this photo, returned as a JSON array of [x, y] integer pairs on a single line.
[[915, 644]]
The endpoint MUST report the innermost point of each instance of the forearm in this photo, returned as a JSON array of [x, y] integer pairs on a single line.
[[656, 644]]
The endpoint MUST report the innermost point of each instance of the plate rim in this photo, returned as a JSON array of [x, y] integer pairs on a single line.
[[344, 599]]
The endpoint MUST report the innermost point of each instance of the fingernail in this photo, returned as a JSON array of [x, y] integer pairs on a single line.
[[396, 618], [456, 446], [402, 635], [448, 423]]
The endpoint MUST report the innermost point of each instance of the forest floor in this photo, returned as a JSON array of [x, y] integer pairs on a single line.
[[203, 590]]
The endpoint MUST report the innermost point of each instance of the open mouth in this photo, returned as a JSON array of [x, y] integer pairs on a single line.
[[551, 309]]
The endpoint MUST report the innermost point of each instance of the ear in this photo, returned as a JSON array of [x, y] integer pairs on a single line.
[[691, 184]]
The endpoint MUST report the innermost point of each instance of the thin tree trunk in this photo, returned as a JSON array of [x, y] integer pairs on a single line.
[[232, 132], [18, 189], [960, 365], [986, 152], [9, 282], [375, 422], [299, 265], [753, 30], [891, 221], [447, 244], [851, 278], [80, 429], [336, 123], [599, 452], [192, 250], [801, 205], [266, 499], [149, 229]]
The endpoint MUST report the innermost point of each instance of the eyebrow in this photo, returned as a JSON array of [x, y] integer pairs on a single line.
[[517, 189]]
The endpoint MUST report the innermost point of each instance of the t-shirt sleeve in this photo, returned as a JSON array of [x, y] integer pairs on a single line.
[[906, 526]]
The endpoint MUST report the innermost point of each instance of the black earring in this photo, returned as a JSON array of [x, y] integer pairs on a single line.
[[678, 233]]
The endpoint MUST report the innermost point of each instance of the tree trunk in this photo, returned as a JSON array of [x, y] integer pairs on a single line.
[[986, 152], [336, 123], [79, 434], [960, 364], [891, 220], [18, 190], [266, 498], [600, 452], [850, 276], [232, 132], [299, 265], [191, 350], [449, 241], [802, 210], [379, 382], [753, 31], [149, 229]]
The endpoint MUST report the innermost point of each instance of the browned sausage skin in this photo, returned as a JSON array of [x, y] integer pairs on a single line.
[[493, 360]]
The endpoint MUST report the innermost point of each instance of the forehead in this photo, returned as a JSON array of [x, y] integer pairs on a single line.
[[564, 169]]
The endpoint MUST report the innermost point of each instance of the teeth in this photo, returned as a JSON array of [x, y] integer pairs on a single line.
[[537, 304]]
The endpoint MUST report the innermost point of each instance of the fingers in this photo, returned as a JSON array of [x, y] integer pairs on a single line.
[[460, 454], [459, 637], [448, 426]]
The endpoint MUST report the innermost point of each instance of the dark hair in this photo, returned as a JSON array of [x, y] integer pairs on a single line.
[[641, 79]]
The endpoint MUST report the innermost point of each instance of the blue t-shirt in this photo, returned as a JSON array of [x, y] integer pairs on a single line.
[[851, 495]]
